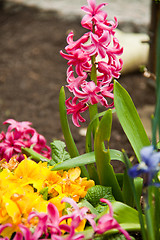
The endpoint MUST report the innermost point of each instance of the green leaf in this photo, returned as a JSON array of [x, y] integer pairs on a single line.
[[85, 203], [59, 154], [34, 155], [95, 193], [113, 237], [72, 149], [85, 159], [44, 193], [104, 168], [129, 119]]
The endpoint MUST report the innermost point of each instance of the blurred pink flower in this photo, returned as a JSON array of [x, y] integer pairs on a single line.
[[20, 134]]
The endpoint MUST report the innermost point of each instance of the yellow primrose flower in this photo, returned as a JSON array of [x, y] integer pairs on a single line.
[[31, 186]]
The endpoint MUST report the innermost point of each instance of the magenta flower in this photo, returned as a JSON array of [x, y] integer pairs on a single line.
[[100, 41], [110, 70], [98, 45], [18, 135], [79, 214], [90, 93], [47, 221], [73, 45], [79, 59], [94, 13], [2, 227], [76, 109], [74, 82], [107, 222], [18, 126], [10, 146]]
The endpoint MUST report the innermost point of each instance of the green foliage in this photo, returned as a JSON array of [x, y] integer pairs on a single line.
[[86, 159], [59, 154], [105, 170], [44, 193], [95, 193], [113, 237], [129, 119]]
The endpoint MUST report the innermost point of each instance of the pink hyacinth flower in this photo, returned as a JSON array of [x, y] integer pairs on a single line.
[[79, 59], [107, 222], [75, 109], [99, 44], [91, 94], [74, 82], [73, 45], [94, 13], [19, 126], [78, 214]]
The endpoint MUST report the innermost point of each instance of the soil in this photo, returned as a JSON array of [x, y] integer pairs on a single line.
[[32, 72]]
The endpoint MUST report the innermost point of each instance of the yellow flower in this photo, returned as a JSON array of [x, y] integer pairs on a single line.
[[31, 186]]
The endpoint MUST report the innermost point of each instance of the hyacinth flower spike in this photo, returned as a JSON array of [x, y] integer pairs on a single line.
[[90, 81]]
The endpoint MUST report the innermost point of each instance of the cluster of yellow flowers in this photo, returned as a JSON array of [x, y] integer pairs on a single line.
[[29, 186]]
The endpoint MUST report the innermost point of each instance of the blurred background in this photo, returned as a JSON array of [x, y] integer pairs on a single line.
[[32, 32], [135, 11]]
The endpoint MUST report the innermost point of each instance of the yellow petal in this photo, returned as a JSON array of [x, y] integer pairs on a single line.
[[74, 173], [12, 210]]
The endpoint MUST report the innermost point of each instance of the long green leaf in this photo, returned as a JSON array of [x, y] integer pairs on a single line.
[[72, 149], [129, 119], [85, 159], [104, 168]]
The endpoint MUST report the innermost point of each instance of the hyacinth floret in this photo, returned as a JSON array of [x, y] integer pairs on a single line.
[[99, 41], [18, 135]]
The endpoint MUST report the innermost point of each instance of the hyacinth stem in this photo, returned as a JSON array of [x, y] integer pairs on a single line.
[[93, 110]]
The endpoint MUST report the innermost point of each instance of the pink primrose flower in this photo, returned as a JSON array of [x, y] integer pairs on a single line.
[[107, 222]]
